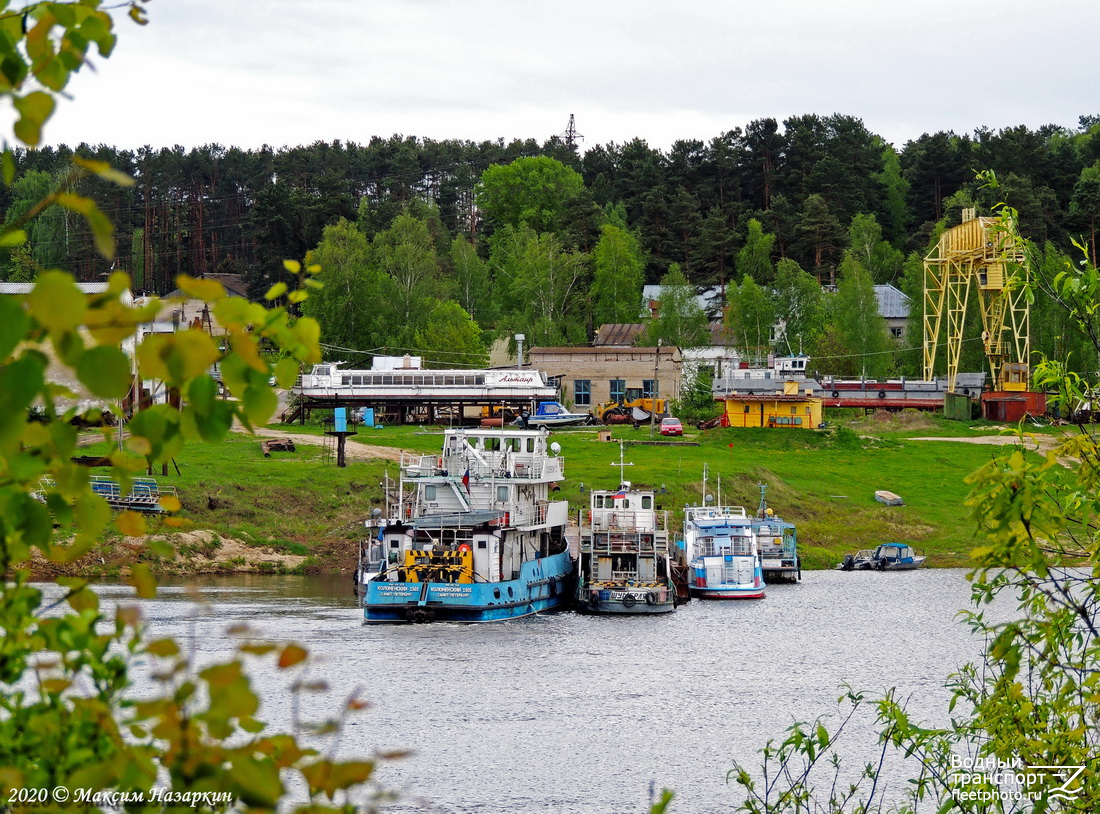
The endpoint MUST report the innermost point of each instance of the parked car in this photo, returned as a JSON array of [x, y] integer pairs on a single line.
[[671, 426]]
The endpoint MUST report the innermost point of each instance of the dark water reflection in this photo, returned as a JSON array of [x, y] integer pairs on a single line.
[[565, 713]]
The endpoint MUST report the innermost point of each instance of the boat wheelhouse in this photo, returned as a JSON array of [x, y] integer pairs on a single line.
[[473, 534], [625, 567], [720, 545]]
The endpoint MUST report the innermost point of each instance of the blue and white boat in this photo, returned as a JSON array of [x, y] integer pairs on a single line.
[[720, 544], [472, 535], [550, 414], [625, 566]]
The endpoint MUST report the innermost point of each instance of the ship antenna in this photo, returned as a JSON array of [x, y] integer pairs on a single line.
[[763, 502], [622, 466]]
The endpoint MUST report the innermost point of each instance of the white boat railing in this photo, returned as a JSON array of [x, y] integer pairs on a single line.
[[512, 467], [715, 512]]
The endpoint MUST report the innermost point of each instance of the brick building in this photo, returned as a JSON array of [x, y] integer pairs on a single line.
[[590, 376]]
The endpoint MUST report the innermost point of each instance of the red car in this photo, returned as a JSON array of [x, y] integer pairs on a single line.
[[671, 426]]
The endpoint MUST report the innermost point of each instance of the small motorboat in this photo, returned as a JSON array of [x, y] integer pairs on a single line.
[[887, 557], [550, 414]]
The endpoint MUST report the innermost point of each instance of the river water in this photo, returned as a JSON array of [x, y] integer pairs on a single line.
[[578, 714]]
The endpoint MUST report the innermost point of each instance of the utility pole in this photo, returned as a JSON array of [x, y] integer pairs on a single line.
[[656, 389]]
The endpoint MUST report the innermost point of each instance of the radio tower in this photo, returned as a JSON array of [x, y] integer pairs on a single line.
[[571, 135]]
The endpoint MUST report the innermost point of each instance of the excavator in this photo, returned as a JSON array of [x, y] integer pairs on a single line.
[[634, 411]]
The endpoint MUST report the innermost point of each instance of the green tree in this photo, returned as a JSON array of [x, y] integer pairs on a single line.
[[352, 304], [755, 257], [865, 242], [860, 328], [449, 338], [539, 281], [531, 191], [618, 265], [680, 321], [1085, 206], [471, 284], [800, 306], [751, 318], [819, 238], [46, 232], [406, 254]]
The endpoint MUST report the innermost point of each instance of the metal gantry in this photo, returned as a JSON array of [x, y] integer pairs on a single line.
[[988, 253]]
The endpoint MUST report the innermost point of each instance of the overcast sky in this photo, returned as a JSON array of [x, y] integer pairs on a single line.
[[288, 72]]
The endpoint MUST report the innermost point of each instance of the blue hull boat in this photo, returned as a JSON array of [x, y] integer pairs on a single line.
[[472, 535]]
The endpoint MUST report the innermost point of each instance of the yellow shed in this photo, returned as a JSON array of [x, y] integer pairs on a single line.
[[790, 410]]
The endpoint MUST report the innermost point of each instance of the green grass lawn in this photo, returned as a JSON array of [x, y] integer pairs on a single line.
[[824, 481]]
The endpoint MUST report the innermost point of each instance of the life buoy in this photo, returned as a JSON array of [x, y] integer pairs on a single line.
[[464, 547], [882, 394], [835, 394], [629, 600]]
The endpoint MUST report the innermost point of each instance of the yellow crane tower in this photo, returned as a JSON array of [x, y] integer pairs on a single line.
[[989, 254]]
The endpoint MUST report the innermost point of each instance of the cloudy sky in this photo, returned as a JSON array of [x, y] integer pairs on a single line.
[[287, 72]]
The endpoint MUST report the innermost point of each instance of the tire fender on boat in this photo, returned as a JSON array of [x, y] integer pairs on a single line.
[[651, 598], [629, 600]]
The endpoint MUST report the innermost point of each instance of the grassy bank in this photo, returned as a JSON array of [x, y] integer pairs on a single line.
[[298, 511]]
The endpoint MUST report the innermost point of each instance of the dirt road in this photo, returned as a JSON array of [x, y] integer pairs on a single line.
[[1041, 444], [354, 449]]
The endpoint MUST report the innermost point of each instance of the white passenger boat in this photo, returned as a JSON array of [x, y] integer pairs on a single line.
[[721, 549]]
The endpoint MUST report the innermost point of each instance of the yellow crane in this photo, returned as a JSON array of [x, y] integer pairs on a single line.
[[987, 253]]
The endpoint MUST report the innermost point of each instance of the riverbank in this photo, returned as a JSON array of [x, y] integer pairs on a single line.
[[296, 512]]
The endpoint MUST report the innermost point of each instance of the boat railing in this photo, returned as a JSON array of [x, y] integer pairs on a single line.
[[642, 520], [714, 512], [496, 466]]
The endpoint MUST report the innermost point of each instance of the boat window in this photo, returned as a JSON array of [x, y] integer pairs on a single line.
[[321, 371], [492, 444], [647, 502], [482, 544], [597, 501], [626, 503], [502, 493], [530, 444], [429, 491]]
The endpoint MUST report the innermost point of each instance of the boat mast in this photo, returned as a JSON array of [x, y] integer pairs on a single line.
[[622, 466]]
